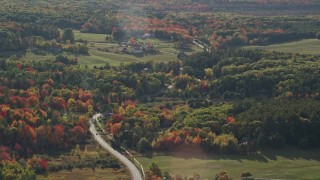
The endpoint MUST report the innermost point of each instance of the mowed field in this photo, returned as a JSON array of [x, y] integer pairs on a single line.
[[306, 46], [286, 163]]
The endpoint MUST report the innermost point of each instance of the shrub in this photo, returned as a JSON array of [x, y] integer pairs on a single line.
[[246, 176], [226, 143], [154, 168], [166, 175], [222, 176], [244, 148]]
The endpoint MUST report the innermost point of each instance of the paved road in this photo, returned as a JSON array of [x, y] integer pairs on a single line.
[[201, 44], [134, 171]]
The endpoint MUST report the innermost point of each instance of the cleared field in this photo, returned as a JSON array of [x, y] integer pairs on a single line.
[[102, 52], [89, 36], [99, 57], [95, 58], [306, 46], [273, 164]]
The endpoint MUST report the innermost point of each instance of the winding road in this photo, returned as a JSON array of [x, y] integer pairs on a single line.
[[201, 44], [134, 171]]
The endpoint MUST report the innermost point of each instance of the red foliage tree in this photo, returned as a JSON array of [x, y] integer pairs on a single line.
[[59, 131], [3, 113], [117, 118], [78, 132], [15, 100], [43, 164], [84, 95], [33, 101], [58, 103], [230, 120], [4, 153], [31, 133], [132, 41], [17, 147]]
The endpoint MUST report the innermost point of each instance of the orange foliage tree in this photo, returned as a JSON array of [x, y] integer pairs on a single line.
[[115, 128]]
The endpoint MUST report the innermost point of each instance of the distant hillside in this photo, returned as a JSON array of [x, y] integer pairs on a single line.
[[256, 7]]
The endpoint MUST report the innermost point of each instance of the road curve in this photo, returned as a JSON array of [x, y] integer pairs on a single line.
[[134, 171]]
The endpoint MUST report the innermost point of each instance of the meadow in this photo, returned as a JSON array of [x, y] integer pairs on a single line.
[[288, 163], [306, 46]]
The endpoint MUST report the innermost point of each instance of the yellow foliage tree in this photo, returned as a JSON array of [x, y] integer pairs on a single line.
[[121, 110]]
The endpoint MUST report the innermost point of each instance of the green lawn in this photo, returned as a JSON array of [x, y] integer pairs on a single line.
[[306, 46], [287, 163]]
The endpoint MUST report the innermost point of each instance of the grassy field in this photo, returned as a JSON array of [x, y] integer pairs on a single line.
[[101, 52], [287, 163], [306, 46], [89, 36]]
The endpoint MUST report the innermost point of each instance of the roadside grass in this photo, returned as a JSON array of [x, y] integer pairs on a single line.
[[287, 163], [306, 46]]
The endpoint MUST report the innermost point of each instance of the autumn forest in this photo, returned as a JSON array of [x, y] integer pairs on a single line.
[[166, 75]]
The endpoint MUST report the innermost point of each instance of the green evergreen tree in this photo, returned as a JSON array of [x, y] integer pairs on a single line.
[[144, 145], [68, 35]]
